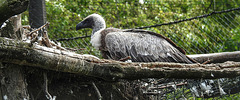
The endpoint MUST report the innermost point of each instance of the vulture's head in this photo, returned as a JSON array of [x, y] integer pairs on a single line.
[[94, 21]]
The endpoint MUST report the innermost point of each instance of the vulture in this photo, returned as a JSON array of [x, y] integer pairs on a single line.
[[135, 44]]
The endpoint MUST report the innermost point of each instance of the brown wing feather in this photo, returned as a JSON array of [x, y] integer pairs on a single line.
[[142, 46], [156, 34]]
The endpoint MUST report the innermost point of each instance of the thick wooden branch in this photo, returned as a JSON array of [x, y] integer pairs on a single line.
[[17, 52], [9, 8], [217, 57]]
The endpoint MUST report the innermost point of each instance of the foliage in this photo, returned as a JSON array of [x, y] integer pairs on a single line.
[[213, 34]]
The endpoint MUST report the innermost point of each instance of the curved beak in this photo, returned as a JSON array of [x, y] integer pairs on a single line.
[[84, 24], [79, 26]]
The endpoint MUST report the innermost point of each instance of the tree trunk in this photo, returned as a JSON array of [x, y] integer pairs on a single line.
[[13, 85], [37, 13], [9, 8]]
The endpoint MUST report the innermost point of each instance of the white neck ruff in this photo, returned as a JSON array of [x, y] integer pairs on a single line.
[[96, 39]]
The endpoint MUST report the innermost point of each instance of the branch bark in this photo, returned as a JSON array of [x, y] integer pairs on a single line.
[[17, 52], [9, 8], [217, 57], [13, 85]]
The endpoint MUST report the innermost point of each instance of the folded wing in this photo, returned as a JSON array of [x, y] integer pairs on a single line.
[[143, 46]]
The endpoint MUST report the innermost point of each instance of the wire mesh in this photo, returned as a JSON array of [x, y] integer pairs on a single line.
[[214, 33]]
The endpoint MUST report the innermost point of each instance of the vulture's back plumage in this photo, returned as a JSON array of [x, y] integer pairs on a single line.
[[142, 46], [139, 45]]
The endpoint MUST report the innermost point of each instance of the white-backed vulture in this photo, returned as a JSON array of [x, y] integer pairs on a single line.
[[139, 45]]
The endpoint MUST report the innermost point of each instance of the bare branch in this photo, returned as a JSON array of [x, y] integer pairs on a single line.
[[217, 57], [48, 95], [39, 28], [11, 7], [17, 52], [98, 92]]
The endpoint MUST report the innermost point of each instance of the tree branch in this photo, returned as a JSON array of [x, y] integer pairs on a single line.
[[217, 57], [17, 52], [9, 8]]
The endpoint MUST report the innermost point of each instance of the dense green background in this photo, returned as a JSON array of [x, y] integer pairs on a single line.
[[216, 33]]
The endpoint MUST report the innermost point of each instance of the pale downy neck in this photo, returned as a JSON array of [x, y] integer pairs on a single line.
[[98, 26]]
